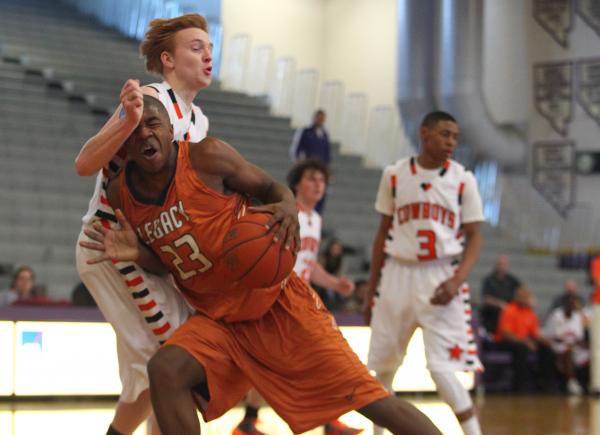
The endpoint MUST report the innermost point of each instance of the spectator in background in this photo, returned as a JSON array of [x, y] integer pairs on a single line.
[[331, 260], [355, 303], [519, 333], [565, 329], [498, 289], [313, 143], [569, 291], [21, 287]]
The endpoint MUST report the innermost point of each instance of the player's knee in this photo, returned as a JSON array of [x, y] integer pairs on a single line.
[[173, 368], [452, 392]]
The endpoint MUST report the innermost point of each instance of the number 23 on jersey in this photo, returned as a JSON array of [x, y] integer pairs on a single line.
[[196, 260]]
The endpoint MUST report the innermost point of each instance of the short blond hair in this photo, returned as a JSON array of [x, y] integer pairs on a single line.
[[160, 36]]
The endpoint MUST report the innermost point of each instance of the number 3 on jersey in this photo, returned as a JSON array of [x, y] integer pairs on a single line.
[[195, 256], [426, 240]]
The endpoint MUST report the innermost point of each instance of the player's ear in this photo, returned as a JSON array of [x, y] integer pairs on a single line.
[[167, 59]]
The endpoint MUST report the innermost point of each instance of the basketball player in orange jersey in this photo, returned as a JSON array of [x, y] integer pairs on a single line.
[[427, 203], [143, 309], [180, 199], [308, 180]]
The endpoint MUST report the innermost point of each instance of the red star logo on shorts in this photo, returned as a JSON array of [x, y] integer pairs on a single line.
[[455, 352]]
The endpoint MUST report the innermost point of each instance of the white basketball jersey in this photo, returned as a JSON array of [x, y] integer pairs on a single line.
[[310, 239], [189, 123], [428, 209]]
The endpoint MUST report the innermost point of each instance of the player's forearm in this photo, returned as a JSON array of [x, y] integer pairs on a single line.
[[470, 254], [100, 148], [322, 278], [149, 261], [277, 192]]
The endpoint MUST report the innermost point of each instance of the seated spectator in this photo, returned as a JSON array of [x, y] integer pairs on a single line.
[[353, 304], [565, 329], [569, 291], [498, 289], [21, 287], [331, 260], [519, 333]]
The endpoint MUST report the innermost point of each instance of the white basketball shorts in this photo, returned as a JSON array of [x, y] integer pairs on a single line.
[[403, 304]]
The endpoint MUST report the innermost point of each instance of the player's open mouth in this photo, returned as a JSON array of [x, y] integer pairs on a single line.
[[208, 70], [149, 151]]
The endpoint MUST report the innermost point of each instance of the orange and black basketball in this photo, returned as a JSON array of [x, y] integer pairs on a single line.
[[251, 255]]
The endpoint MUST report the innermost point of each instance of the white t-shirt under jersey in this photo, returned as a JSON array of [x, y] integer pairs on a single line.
[[184, 118], [428, 208], [310, 239]]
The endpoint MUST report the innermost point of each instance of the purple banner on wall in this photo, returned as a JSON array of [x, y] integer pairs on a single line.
[[556, 18], [553, 93], [589, 11], [588, 87]]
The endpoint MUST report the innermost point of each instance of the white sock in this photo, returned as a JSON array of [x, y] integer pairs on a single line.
[[471, 426], [386, 380]]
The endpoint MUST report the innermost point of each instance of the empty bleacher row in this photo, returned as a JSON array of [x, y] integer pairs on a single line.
[[60, 77]]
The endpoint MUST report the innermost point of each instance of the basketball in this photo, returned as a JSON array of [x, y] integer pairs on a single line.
[[252, 256]]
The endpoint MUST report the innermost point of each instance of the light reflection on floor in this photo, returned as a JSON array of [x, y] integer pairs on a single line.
[[500, 415], [93, 418]]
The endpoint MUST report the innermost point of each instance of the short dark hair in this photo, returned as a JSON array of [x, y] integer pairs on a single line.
[[432, 118], [150, 101], [298, 170]]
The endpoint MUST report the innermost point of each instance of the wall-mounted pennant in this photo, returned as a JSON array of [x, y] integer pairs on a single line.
[[553, 173], [589, 11], [556, 18], [553, 93], [588, 87]]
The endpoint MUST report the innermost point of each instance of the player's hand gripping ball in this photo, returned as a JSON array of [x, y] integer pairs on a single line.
[[251, 255]]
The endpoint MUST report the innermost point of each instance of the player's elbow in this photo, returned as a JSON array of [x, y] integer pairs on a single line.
[[83, 168]]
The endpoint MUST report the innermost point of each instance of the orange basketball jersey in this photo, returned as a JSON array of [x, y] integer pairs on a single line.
[[185, 227]]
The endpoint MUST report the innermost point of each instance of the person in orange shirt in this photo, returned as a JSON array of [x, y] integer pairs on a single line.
[[181, 199], [519, 332]]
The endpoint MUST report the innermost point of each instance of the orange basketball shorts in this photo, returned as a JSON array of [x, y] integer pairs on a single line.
[[294, 355]]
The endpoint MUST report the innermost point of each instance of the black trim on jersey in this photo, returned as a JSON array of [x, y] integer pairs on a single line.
[[193, 118], [104, 215], [172, 96], [160, 200], [155, 318], [113, 167], [141, 294], [127, 270]]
